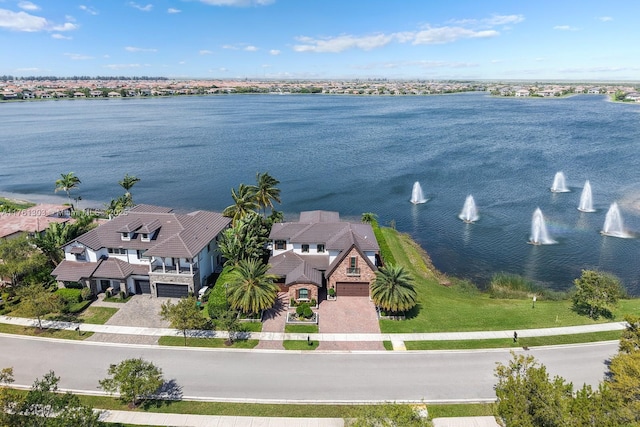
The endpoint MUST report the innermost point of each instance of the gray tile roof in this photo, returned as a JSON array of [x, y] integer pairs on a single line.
[[298, 269], [111, 268], [72, 271], [178, 235]]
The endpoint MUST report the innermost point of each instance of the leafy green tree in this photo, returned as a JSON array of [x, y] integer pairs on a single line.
[[246, 239], [117, 206], [596, 294], [134, 379], [244, 202], [368, 218], [393, 289], [127, 183], [266, 191], [624, 381], [227, 320], [19, 259], [38, 301], [251, 289], [52, 240], [67, 182], [185, 315], [630, 339]]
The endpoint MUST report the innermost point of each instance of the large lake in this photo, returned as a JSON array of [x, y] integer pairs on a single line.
[[359, 154]]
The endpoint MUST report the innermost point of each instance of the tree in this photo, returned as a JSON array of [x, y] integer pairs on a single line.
[[38, 301], [596, 293], [19, 258], [251, 289], [630, 339], [624, 381], [266, 191], [127, 182], [117, 206], [368, 218], [185, 315], [227, 320], [51, 242], [133, 379], [244, 201], [246, 239], [67, 182], [392, 289]]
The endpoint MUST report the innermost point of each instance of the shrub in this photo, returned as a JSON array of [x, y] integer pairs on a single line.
[[107, 293], [513, 286], [307, 312], [300, 309], [332, 292], [74, 285], [313, 302], [70, 296], [86, 294], [76, 307], [293, 302], [123, 295]]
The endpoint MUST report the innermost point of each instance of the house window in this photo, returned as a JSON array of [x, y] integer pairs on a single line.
[[125, 236], [281, 244], [80, 257], [320, 248], [117, 251], [353, 262], [141, 256], [305, 248], [303, 293], [144, 237]]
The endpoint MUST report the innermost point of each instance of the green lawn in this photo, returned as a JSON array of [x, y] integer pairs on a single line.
[[251, 326], [9, 205], [301, 329], [206, 342], [45, 333], [458, 308], [300, 345], [97, 315]]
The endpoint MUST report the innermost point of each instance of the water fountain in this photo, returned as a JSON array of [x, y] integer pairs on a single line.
[[613, 225], [469, 211], [417, 196], [559, 185], [586, 200], [539, 234]]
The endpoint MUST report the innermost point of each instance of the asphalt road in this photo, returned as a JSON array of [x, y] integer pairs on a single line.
[[270, 376]]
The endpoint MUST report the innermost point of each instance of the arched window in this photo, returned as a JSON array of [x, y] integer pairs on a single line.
[[303, 293]]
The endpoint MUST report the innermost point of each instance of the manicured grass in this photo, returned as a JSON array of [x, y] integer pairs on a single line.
[[44, 333], [300, 345], [388, 345], [251, 326], [460, 308], [206, 342], [301, 329], [273, 410], [97, 315], [508, 342]]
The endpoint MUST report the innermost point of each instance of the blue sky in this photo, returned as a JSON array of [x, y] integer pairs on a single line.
[[318, 39]]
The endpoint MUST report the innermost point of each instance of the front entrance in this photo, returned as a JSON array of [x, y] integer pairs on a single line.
[[172, 291], [352, 289]]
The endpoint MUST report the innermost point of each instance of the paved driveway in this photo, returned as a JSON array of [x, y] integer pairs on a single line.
[[140, 310], [349, 315]]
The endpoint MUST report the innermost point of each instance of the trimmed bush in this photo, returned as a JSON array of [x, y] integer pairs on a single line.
[[123, 295], [86, 294], [70, 296], [307, 312], [77, 307]]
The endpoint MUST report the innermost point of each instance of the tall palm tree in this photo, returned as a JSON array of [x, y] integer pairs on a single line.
[[244, 201], [392, 289], [127, 182], [267, 192], [251, 290], [66, 183]]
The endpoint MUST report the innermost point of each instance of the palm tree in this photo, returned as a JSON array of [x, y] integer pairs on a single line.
[[251, 290], [244, 201], [127, 182], [66, 183], [267, 192], [368, 218], [392, 289]]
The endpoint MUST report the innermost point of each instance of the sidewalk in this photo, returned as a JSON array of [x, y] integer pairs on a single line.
[[278, 336]]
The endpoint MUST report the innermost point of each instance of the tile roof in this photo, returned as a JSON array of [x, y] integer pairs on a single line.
[[295, 268], [178, 235], [72, 271], [111, 268], [32, 220]]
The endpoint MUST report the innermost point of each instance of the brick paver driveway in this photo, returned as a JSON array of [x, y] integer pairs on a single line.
[[348, 315], [142, 311]]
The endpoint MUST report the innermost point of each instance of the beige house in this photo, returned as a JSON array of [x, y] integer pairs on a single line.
[[322, 251]]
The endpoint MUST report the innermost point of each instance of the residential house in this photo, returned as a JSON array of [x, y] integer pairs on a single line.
[[322, 251], [32, 221], [148, 250]]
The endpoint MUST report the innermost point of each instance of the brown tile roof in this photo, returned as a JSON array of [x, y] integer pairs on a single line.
[[178, 235], [32, 220], [295, 268], [72, 271], [111, 268]]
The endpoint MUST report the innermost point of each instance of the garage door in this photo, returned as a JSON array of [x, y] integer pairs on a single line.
[[143, 287], [349, 289], [172, 291]]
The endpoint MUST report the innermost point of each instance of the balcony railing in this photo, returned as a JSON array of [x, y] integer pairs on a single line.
[[173, 270], [353, 271]]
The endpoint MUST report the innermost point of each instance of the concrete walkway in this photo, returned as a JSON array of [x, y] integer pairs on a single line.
[[434, 336]]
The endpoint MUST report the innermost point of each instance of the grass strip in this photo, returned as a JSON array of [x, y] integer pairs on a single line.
[[300, 345], [44, 333], [97, 315], [205, 342], [508, 342], [301, 329]]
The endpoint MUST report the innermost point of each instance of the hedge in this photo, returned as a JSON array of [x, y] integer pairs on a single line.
[[70, 296]]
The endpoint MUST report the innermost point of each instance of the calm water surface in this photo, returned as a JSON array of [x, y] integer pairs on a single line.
[[361, 154]]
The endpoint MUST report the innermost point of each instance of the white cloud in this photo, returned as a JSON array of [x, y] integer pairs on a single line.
[[342, 43], [565, 28], [238, 3], [251, 49], [122, 66], [146, 8], [22, 21], [205, 52], [28, 69], [60, 36], [503, 20], [88, 9], [173, 10], [67, 26], [27, 5], [605, 18], [228, 46], [181, 62], [77, 56], [442, 35], [139, 49], [274, 52]]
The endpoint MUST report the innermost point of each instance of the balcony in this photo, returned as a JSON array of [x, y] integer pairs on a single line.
[[353, 271], [188, 271]]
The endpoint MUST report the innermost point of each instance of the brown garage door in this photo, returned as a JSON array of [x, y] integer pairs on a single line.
[[350, 289]]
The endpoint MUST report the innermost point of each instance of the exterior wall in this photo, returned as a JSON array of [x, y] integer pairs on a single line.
[[274, 251], [340, 272], [193, 282], [313, 291]]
